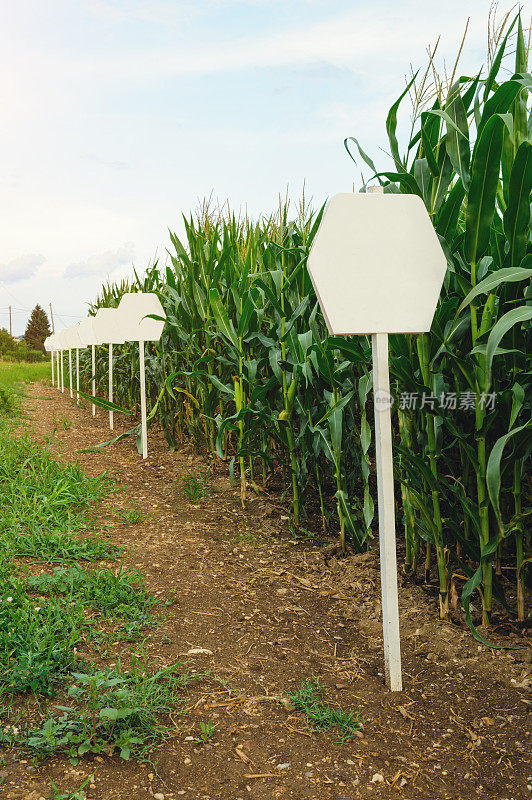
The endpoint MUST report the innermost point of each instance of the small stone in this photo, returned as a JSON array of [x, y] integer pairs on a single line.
[[199, 651], [158, 796], [283, 766], [378, 778], [280, 592], [188, 761]]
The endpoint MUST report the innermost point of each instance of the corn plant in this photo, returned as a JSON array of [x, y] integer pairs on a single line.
[[246, 371], [469, 157]]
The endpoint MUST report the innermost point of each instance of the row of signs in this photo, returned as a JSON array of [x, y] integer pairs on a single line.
[[127, 323]]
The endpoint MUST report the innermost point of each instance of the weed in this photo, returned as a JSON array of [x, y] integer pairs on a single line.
[[309, 698], [67, 423], [195, 486], [39, 492], [207, 732], [131, 515], [50, 546], [7, 400], [120, 711], [116, 593], [77, 794], [37, 639]]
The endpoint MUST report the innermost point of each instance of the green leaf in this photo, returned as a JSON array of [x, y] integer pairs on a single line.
[[496, 65], [221, 316], [511, 318], [482, 191], [457, 140], [101, 403], [494, 279], [408, 183], [517, 215], [391, 124], [364, 155], [518, 398], [493, 468]]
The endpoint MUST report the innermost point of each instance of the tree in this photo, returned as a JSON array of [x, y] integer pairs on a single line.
[[37, 329], [7, 344]]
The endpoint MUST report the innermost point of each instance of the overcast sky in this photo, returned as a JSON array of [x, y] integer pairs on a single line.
[[119, 115]]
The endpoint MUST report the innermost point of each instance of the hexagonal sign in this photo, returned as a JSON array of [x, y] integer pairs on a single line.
[[86, 332], [376, 264], [106, 326], [71, 337], [135, 324]]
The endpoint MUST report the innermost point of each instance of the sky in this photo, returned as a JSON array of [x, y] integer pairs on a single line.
[[118, 116]]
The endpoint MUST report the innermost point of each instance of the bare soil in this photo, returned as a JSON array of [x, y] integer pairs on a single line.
[[273, 612]]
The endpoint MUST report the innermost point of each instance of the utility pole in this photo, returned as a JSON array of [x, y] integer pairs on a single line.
[[10, 332], [52, 318]]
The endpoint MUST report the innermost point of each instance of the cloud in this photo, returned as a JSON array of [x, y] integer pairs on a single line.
[[346, 40], [102, 263], [21, 268]]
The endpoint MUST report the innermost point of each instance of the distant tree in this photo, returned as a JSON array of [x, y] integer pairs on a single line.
[[37, 329], [7, 344]]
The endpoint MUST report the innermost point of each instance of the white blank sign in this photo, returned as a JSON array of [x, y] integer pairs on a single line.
[[376, 264], [134, 323], [86, 332], [107, 327]]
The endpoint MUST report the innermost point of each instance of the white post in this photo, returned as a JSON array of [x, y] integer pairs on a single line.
[[70, 371], [143, 401], [388, 556], [111, 415], [93, 379], [62, 374], [52, 360], [57, 367], [77, 374]]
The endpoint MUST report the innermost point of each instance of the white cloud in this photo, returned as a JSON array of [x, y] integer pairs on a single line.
[[348, 40], [21, 268], [102, 264]]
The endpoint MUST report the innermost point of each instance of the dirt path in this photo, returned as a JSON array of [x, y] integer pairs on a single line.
[[272, 613]]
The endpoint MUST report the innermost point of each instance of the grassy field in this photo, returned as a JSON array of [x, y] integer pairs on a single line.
[[13, 376], [48, 615]]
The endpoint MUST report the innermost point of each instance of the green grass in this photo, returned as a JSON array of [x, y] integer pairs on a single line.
[[38, 491], [13, 376], [309, 698], [46, 618], [109, 711], [195, 485], [114, 593], [54, 546], [37, 639]]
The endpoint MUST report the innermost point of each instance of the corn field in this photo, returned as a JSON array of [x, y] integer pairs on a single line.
[[245, 368]]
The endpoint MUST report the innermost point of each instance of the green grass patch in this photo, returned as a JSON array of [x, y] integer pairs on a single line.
[[54, 546], [195, 485], [320, 717], [13, 376], [38, 491], [37, 639], [115, 593], [109, 711]]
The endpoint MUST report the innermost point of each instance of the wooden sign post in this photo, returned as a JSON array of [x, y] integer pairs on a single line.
[[377, 267], [137, 326]]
